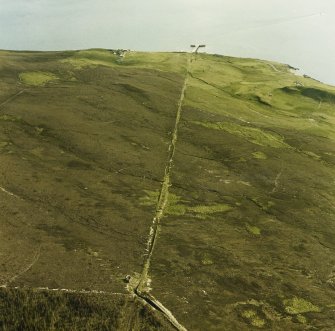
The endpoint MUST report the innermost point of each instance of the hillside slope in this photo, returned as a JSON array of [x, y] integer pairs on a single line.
[[245, 238]]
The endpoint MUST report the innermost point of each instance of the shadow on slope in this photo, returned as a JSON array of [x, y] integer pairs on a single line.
[[24, 309]]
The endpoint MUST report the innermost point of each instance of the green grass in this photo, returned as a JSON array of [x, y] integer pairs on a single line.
[[251, 134], [99, 57], [172, 62], [253, 318], [210, 209], [207, 260], [37, 78], [177, 206], [253, 230], [259, 155], [93, 57], [301, 319], [297, 306]]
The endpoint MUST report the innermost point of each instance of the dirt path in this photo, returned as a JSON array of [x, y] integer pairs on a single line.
[[142, 289], [163, 195], [276, 181], [66, 290], [320, 104], [273, 67], [2, 189], [26, 269], [11, 98]]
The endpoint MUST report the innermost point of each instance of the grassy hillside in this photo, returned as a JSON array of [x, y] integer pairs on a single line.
[[251, 139], [247, 238]]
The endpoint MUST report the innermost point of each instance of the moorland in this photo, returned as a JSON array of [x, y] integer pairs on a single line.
[[204, 181]]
